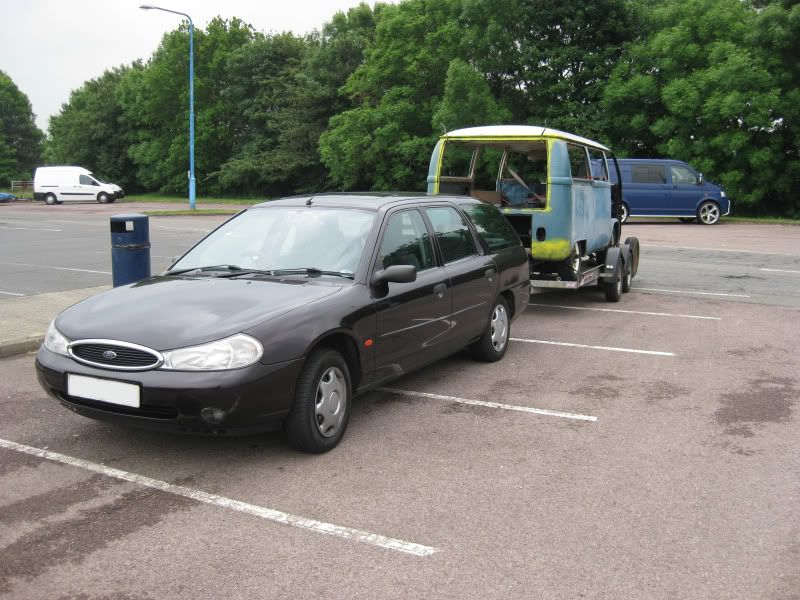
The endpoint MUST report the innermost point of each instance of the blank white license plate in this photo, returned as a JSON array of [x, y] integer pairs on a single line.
[[104, 390]]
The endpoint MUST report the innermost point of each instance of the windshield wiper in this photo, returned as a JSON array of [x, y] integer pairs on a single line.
[[312, 272], [232, 268]]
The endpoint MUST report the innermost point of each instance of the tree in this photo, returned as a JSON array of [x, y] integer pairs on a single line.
[[89, 131], [20, 138], [467, 100], [695, 89]]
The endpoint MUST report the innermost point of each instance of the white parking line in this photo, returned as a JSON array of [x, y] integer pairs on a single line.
[[10, 293], [57, 268], [780, 271], [641, 289], [719, 250], [630, 312], [609, 348], [223, 502], [30, 229], [512, 407]]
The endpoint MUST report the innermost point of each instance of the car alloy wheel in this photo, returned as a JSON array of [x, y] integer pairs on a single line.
[[708, 213]]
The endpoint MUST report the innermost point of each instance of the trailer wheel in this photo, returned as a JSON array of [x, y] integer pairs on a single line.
[[627, 276], [633, 243], [613, 289]]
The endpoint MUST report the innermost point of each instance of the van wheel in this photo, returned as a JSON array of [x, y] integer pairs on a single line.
[[623, 213], [572, 268], [708, 213], [102, 197], [50, 199]]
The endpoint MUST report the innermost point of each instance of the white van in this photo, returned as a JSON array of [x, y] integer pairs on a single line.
[[55, 185]]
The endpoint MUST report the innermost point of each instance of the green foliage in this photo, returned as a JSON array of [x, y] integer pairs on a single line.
[[88, 131], [695, 89], [20, 138]]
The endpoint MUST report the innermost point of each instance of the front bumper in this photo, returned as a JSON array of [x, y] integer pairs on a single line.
[[255, 398]]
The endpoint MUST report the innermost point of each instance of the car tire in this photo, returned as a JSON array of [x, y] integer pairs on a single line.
[[102, 198], [624, 213], [493, 343], [708, 213], [50, 199], [321, 409], [613, 289]]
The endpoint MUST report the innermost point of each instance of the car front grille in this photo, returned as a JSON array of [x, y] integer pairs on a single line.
[[115, 355]]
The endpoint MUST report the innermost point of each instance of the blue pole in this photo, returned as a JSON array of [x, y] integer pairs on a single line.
[[191, 115], [191, 97]]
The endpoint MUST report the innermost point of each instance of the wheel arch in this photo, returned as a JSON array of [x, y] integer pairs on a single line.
[[343, 343]]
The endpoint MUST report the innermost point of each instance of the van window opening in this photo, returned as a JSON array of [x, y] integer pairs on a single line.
[[578, 162]]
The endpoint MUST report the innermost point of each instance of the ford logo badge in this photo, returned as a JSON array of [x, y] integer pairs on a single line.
[[109, 354]]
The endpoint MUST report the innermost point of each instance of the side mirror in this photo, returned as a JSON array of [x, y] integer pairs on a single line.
[[395, 274], [700, 179]]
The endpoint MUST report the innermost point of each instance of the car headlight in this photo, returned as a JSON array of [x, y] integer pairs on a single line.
[[723, 195], [233, 352], [55, 341]]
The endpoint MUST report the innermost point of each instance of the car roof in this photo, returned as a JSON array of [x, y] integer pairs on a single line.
[[519, 131], [366, 200]]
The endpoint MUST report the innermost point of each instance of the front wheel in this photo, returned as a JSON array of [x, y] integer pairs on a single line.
[[321, 409], [102, 197], [494, 341], [708, 213]]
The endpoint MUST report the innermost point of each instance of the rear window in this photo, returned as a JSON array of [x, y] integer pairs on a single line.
[[493, 228]]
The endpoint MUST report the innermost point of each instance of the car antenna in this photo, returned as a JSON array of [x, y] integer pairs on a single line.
[[308, 202]]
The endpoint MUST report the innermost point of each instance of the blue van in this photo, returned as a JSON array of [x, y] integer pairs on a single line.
[[669, 188]]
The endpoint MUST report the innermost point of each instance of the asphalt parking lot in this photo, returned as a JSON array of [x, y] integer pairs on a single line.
[[644, 449]]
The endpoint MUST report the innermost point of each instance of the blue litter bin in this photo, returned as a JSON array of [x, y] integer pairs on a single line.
[[130, 248]]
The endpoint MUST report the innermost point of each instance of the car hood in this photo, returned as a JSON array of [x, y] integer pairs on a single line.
[[173, 312]]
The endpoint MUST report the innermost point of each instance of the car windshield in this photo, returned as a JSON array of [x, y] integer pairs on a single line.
[[286, 238]]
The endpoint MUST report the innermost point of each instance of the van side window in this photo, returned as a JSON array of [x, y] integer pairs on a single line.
[[682, 175], [577, 162], [649, 174], [86, 180], [599, 168], [524, 178]]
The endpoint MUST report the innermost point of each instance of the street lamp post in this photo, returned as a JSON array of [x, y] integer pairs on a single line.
[[191, 97]]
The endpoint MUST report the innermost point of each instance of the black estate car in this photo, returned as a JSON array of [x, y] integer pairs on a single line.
[[288, 309]]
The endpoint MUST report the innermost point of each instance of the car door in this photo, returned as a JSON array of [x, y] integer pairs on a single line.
[[472, 274], [685, 193], [413, 319]]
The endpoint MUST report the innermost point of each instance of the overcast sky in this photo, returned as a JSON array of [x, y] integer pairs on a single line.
[[50, 47]]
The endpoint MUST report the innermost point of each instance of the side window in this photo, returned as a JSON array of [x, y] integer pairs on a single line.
[[524, 177], [577, 162], [456, 160], [682, 175], [648, 174], [452, 233], [599, 167], [406, 242], [492, 226], [85, 180]]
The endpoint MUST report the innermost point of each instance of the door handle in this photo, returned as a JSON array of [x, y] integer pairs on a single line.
[[439, 290]]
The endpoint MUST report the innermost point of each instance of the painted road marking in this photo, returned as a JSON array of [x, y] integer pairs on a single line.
[[641, 289], [609, 348], [512, 407], [780, 271], [57, 268], [630, 312], [221, 501], [720, 250], [11, 293], [30, 229]]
